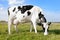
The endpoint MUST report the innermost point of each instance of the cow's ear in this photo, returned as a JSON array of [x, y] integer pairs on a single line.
[[28, 13]]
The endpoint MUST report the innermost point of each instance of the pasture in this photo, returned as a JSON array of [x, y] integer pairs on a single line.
[[25, 34]]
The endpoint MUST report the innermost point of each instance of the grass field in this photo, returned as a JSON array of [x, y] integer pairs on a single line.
[[25, 34]]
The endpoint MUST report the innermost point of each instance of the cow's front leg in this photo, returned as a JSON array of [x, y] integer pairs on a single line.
[[45, 25], [34, 25]]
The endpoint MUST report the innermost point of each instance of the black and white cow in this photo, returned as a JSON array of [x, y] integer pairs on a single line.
[[26, 13]]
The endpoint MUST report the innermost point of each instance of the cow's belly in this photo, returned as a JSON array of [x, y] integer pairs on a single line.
[[26, 20]]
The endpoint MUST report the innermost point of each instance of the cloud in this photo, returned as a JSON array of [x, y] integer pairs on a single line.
[[14, 2]]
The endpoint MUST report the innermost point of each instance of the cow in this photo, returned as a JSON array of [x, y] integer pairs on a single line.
[[33, 14]]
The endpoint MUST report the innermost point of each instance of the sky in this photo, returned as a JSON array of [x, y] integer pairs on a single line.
[[51, 8]]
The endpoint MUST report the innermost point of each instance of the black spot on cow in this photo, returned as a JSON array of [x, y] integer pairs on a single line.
[[40, 15], [8, 12], [28, 13], [23, 16], [44, 19], [25, 8], [19, 8], [40, 24], [14, 9], [43, 28]]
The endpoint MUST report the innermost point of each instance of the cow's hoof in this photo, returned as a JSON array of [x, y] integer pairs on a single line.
[[35, 32], [45, 33]]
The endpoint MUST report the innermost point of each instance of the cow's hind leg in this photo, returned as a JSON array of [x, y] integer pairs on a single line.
[[15, 24], [9, 25], [34, 25]]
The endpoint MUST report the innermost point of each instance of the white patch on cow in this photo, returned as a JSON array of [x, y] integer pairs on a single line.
[[20, 16]]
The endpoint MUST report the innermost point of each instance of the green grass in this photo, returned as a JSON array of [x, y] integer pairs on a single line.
[[25, 34]]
